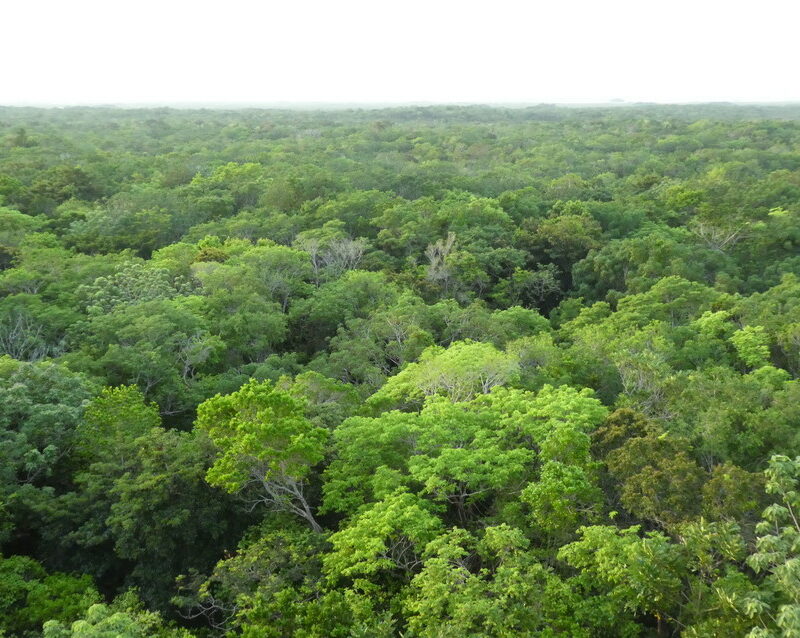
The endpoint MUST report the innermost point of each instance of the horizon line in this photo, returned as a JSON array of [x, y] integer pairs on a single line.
[[320, 104]]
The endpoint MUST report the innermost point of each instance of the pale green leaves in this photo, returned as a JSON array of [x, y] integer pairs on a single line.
[[752, 346], [267, 446], [389, 535], [460, 372]]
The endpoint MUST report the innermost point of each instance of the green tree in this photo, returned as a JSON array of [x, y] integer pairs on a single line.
[[390, 535], [267, 447], [121, 619], [41, 406], [510, 595], [29, 596], [776, 555], [460, 372]]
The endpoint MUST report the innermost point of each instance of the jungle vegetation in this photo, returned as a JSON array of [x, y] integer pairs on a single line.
[[429, 372]]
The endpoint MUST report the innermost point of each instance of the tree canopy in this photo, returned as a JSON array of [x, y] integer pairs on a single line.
[[429, 372]]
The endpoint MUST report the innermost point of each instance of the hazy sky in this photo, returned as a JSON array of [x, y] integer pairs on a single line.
[[89, 52]]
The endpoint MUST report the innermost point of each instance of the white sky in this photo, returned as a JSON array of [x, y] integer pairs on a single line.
[[168, 51]]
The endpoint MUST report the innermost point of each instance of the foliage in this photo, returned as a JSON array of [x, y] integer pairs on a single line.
[[266, 446], [471, 371]]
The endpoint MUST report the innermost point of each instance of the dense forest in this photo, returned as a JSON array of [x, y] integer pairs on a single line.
[[438, 372]]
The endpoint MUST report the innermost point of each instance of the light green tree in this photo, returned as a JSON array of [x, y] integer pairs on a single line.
[[267, 447]]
